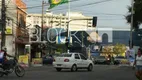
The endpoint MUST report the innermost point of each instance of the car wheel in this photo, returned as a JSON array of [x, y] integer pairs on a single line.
[[90, 67], [58, 69], [74, 68], [1, 74]]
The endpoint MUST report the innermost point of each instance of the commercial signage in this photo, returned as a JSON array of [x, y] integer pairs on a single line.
[[37, 61], [23, 60], [8, 30]]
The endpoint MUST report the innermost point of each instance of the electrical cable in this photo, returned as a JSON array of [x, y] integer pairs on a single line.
[[47, 4], [89, 4]]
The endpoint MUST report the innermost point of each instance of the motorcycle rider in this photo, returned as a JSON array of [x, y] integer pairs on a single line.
[[7, 64], [109, 59]]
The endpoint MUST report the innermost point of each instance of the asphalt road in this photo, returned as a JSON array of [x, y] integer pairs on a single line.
[[100, 72]]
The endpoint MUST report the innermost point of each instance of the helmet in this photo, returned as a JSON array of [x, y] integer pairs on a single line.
[[4, 48]]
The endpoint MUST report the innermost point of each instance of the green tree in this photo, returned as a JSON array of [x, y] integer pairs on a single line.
[[119, 49], [137, 16], [107, 50]]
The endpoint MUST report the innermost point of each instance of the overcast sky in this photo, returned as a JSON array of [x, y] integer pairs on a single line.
[[110, 13]]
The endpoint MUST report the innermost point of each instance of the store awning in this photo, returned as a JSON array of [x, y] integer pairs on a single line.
[[21, 41]]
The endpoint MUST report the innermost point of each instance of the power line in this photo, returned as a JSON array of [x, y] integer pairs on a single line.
[[31, 7], [98, 2], [91, 4], [106, 14], [98, 18], [111, 19], [8, 3], [14, 16], [39, 6], [78, 6]]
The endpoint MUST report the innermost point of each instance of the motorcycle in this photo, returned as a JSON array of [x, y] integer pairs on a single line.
[[108, 61], [19, 70]]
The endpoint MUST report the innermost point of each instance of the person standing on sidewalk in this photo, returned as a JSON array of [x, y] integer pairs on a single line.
[[139, 64]]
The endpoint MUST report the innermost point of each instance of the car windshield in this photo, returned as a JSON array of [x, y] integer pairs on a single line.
[[56, 55], [120, 57], [65, 55]]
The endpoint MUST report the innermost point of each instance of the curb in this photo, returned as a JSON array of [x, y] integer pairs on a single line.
[[34, 68]]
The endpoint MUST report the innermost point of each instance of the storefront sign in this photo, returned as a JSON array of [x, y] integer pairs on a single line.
[[37, 61], [8, 30], [23, 60]]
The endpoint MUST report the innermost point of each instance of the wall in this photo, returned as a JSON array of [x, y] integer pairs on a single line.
[[21, 18], [10, 25], [10, 45], [21, 31]]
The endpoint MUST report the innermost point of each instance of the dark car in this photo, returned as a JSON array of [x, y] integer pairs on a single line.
[[100, 60], [48, 59]]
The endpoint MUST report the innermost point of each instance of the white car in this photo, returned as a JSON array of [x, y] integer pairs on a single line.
[[72, 61]]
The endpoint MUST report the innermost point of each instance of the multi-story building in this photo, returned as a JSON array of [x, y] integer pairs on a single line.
[[21, 31], [61, 20], [16, 36], [10, 26]]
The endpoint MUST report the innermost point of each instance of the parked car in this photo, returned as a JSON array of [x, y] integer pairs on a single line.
[[48, 59], [100, 60], [121, 60], [72, 61]]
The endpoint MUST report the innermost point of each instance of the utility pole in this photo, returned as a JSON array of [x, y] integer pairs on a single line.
[[3, 24], [131, 31], [82, 43], [42, 22]]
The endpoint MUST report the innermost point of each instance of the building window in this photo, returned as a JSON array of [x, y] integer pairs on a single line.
[[21, 21], [105, 38]]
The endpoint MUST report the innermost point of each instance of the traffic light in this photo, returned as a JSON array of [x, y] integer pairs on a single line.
[[94, 23]]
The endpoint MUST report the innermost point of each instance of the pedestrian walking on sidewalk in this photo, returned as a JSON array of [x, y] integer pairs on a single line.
[[139, 64]]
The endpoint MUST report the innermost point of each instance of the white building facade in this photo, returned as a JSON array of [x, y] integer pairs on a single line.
[[10, 26], [79, 21]]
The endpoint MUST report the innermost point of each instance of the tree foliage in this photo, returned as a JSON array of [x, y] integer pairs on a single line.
[[107, 50], [119, 49], [137, 16]]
